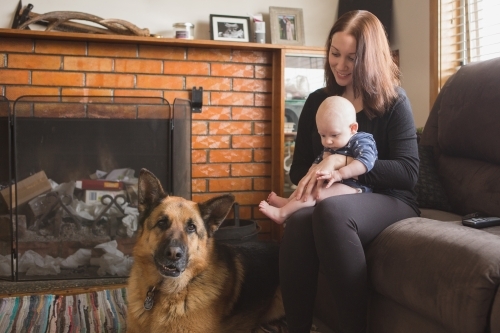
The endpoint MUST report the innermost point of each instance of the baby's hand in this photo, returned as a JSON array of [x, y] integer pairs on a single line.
[[332, 177], [324, 174]]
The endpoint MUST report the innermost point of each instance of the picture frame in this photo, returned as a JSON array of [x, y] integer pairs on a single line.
[[229, 28], [287, 25]]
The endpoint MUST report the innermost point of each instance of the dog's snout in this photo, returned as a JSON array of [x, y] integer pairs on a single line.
[[174, 252]]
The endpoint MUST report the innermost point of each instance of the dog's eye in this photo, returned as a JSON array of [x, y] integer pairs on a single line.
[[191, 227], [162, 224]]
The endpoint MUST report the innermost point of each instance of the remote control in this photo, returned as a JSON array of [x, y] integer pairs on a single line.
[[481, 222]]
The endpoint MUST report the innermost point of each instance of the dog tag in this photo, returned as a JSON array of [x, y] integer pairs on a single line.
[[149, 302]]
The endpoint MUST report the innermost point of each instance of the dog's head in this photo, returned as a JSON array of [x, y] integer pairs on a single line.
[[176, 232]]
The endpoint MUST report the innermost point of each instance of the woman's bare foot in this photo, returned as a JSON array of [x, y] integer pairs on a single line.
[[276, 201], [273, 213]]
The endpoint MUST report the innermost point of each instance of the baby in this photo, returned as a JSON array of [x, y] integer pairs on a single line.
[[337, 126]]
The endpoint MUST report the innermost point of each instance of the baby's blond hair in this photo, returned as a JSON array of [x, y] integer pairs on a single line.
[[336, 108]]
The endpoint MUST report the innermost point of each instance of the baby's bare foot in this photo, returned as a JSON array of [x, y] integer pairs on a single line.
[[276, 201], [272, 212]]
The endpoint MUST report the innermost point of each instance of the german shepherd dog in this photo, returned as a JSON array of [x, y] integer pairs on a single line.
[[182, 280]]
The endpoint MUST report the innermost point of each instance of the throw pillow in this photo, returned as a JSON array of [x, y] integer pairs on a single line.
[[430, 191]]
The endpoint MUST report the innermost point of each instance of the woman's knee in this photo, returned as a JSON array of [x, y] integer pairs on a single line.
[[332, 208], [333, 214]]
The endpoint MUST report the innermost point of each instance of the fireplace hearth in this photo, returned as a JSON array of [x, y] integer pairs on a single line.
[[71, 207]]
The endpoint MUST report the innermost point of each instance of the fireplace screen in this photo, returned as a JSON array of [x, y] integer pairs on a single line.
[[74, 162]]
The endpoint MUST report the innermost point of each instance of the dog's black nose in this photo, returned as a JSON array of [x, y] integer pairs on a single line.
[[174, 253]]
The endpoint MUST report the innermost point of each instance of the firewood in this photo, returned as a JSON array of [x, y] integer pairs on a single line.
[[60, 19]]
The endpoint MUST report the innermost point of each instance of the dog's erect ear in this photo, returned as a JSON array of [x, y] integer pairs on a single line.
[[215, 210], [150, 190]]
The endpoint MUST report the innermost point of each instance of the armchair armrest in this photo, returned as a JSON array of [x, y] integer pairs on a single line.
[[444, 271]]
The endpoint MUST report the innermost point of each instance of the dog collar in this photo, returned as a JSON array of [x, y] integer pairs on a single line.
[[149, 301]]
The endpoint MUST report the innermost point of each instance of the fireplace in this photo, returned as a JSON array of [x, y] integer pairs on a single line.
[[71, 207]]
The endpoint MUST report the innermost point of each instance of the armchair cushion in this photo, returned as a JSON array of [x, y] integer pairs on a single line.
[[430, 191]]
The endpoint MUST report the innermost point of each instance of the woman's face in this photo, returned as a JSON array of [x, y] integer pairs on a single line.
[[342, 57]]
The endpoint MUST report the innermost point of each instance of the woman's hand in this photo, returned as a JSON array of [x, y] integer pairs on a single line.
[[306, 184]]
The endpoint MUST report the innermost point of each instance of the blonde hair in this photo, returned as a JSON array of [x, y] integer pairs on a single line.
[[338, 108]]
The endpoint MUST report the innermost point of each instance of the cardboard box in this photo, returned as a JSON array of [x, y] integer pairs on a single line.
[[97, 184], [27, 189]]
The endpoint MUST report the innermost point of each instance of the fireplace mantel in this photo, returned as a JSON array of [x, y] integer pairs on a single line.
[[56, 35]]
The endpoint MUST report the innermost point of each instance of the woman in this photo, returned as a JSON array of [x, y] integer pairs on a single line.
[[335, 232]]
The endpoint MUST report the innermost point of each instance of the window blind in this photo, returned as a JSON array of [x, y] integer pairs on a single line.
[[469, 30]]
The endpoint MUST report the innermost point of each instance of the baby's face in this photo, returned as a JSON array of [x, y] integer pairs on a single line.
[[334, 134]]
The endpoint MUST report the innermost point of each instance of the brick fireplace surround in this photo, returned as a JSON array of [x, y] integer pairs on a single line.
[[237, 139], [235, 136]]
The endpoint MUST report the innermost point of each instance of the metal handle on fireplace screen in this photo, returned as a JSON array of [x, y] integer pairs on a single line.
[[107, 200], [56, 201]]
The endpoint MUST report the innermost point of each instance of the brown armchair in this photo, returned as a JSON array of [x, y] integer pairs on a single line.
[[432, 274]]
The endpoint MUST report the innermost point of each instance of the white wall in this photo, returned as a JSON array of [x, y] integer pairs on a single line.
[[411, 26], [159, 15]]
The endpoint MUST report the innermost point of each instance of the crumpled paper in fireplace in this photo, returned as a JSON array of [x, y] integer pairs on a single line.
[[112, 262], [5, 265]]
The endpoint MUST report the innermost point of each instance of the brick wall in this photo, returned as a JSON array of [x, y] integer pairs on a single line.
[[231, 137]]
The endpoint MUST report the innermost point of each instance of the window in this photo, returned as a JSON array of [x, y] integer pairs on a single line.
[[466, 31]]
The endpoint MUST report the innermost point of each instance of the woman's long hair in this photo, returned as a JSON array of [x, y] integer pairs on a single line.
[[375, 75]]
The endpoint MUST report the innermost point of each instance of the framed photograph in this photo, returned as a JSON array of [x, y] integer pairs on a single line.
[[230, 28], [287, 25]]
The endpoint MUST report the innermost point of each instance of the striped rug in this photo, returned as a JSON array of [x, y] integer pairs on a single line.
[[102, 311], [95, 312]]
